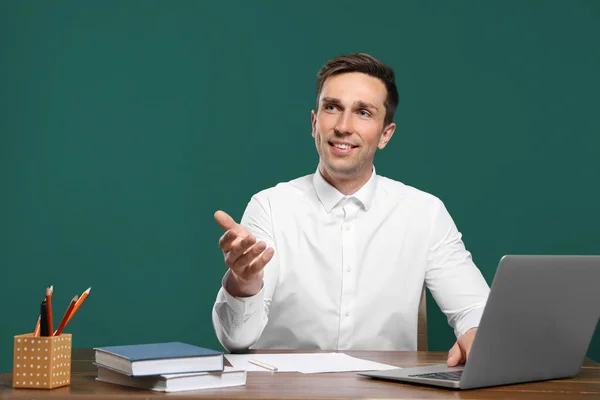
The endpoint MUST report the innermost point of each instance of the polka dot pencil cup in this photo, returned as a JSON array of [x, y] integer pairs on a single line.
[[42, 362]]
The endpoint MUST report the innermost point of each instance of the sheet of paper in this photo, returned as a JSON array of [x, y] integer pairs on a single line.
[[306, 363]]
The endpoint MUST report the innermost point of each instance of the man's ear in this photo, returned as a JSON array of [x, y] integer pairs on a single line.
[[386, 135], [313, 121]]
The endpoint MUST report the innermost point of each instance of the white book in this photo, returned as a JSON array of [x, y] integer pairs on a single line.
[[176, 382]]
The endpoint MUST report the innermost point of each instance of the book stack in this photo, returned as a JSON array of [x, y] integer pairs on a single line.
[[166, 367]]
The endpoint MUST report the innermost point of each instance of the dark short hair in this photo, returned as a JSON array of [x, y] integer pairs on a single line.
[[367, 64]]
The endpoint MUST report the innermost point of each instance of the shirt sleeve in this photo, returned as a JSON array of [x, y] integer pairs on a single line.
[[239, 321], [456, 284]]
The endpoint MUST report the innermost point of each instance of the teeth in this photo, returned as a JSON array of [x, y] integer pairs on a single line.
[[341, 146]]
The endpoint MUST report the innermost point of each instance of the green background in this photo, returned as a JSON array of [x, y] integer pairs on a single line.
[[126, 124]]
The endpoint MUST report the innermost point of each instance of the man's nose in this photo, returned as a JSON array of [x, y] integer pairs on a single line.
[[344, 124]]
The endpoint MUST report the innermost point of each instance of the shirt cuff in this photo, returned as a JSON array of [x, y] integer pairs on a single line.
[[242, 307], [468, 321]]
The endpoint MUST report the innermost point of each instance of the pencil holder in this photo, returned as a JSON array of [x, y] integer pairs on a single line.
[[42, 362]]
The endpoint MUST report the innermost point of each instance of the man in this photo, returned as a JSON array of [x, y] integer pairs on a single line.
[[336, 260]]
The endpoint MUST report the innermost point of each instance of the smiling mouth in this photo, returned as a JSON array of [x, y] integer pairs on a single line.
[[342, 146]]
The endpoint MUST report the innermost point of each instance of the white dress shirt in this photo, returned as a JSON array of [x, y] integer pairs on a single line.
[[348, 271]]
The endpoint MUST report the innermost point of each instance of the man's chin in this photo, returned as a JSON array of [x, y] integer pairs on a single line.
[[342, 168]]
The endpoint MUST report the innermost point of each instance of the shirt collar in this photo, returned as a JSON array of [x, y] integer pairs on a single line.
[[329, 196]]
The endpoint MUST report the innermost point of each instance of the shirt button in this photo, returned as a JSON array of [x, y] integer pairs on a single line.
[[347, 314], [347, 227], [348, 269]]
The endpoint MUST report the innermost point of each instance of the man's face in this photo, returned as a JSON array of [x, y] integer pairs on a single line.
[[348, 126]]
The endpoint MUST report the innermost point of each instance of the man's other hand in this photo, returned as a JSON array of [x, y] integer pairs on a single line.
[[459, 353], [245, 257]]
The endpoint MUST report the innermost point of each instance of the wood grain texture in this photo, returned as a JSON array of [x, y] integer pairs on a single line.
[[266, 385]]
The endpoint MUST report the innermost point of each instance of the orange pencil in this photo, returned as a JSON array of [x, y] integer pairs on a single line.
[[65, 317], [49, 291], [84, 296], [36, 331]]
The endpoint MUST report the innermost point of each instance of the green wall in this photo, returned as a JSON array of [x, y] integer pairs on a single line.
[[125, 125]]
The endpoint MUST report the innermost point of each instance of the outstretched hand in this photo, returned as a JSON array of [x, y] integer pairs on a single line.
[[245, 257]]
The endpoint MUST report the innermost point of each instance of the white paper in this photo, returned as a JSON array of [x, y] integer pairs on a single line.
[[306, 363]]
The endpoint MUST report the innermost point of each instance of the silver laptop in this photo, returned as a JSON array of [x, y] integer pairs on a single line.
[[537, 325]]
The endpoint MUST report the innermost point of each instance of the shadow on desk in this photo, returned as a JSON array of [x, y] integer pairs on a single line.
[[266, 385]]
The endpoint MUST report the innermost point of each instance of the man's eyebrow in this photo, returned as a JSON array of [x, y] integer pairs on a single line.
[[331, 100], [357, 104], [362, 104]]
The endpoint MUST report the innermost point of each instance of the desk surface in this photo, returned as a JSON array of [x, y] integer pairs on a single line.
[[288, 385]]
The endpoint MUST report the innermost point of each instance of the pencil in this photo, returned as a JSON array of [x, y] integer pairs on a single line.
[[44, 318], [36, 331], [263, 365], [49, 291], [65, 317], [80, 301]]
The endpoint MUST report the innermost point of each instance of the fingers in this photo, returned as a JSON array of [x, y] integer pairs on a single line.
[[260, 261], [230, 239], [224, 220], [233, 232], [249, 255], [251, 261], [455, 355], [238, 249], [242, 254]]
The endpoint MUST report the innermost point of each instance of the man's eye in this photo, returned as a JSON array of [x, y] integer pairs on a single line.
[[364, 113], [330, 107]]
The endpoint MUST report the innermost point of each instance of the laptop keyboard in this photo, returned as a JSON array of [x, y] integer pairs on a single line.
[[448, 376]]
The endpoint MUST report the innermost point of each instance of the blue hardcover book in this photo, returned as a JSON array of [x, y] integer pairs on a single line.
[[159, 358]]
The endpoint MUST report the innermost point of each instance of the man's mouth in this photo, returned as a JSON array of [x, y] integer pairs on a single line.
[[342, 146]]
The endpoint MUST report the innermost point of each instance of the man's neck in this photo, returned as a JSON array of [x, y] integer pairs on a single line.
[[347, 185]]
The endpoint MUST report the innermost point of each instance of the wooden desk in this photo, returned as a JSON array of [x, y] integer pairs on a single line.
[[287, 385]]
